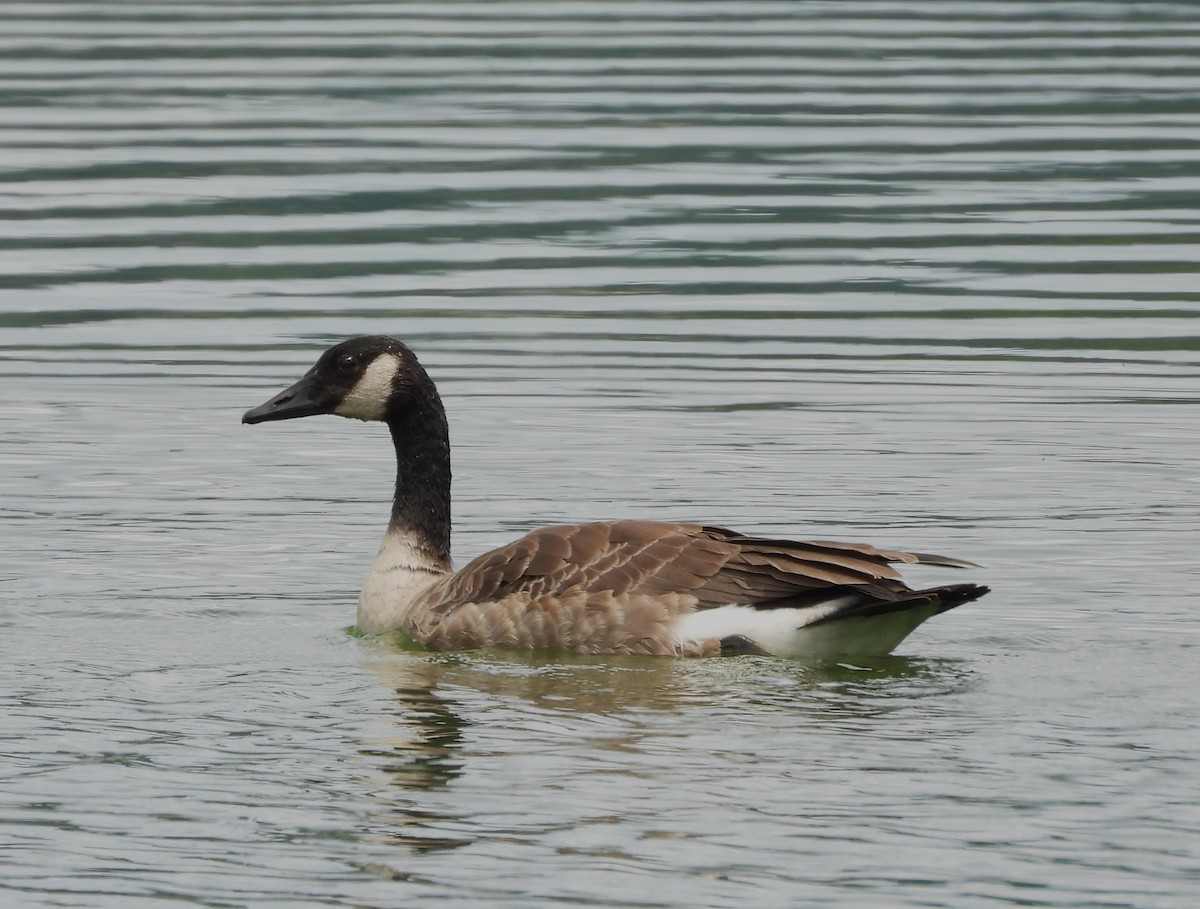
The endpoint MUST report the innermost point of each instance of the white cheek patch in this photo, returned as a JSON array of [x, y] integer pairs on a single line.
[[368, 399]]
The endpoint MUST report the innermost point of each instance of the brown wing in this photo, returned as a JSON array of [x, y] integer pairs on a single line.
[[618, 586], [621, 557]]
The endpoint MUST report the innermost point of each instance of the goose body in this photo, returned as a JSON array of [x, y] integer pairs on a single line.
[[637, 587]]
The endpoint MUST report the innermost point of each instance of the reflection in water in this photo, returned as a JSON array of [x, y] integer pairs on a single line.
[[478, 744], [422, 755], [613, 685], [428, 761]]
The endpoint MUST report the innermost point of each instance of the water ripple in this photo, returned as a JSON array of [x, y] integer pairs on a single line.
[[887, 270]]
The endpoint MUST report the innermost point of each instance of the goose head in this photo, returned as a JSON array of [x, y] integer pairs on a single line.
[[367, 378], [378, 378]]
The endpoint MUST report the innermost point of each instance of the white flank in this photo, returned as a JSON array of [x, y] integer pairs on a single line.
[[400, 572], [368, 399], [790, 632]]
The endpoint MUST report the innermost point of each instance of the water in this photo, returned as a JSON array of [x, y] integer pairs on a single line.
[[920, 274]]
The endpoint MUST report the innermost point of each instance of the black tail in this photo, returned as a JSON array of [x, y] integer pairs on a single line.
[[943, 598], [956, 594]]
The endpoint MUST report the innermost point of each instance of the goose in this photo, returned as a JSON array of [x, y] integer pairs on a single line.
[[612, 587]]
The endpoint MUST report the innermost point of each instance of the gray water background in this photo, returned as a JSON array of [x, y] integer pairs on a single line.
[[918, 274]]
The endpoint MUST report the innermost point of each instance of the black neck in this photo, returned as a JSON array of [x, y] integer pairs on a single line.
[[422, 502]]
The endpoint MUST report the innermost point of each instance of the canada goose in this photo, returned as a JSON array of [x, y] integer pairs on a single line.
[[643, 587]]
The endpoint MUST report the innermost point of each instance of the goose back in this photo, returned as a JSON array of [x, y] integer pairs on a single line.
[[633, 586]]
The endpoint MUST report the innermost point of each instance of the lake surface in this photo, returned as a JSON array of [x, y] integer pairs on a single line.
[[923, 274]]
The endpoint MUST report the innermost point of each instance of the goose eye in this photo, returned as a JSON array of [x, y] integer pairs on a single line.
[[347, 363]]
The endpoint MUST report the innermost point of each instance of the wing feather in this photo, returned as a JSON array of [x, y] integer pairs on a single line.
[[715, 565]]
